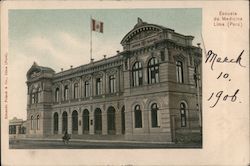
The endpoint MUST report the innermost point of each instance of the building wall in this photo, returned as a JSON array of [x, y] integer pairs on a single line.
[[144, 42]]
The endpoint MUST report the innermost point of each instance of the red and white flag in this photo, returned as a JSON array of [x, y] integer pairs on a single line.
[[96, 25]]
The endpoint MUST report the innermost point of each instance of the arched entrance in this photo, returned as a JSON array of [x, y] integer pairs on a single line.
[[74, 122], [123, 120], [98, 121], [56, 123], [111, 120], [85, 117], [65, 122]]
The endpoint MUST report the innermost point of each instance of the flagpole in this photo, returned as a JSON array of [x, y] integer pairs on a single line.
[[91, 38]]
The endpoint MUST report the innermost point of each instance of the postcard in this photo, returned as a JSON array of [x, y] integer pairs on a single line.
[[124, 83]]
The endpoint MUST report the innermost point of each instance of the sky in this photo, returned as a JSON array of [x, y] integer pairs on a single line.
[[61, 38]]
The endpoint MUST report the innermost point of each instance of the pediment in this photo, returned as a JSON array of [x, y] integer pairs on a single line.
[[141, 32]]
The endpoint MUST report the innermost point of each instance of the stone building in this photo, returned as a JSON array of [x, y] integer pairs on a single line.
[[148, 91], [17, 128]]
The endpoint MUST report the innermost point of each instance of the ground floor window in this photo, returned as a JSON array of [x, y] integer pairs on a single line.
[[138, 117], [183, 115]]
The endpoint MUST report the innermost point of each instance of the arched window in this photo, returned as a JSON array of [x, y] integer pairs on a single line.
[[138, 117], [183, 115], [74, 121], [153, 71], [98, 121], [64, 121], [76, 91], [137, 74], [98, 86], [179, 71], [57, 95], [86, 89], [32, 122], [112, 85], [34, 96], [37, 122], [39, 95], [66, 92], [85, 119], [196, 77], [56, 123], [154, 116]]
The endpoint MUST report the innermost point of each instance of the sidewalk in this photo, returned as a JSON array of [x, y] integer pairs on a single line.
[[92, 140]]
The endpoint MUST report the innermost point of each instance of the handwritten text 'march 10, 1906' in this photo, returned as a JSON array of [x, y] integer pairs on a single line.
[[214, 58]]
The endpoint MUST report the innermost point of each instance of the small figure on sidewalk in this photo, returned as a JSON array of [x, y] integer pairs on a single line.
[[66, 137]]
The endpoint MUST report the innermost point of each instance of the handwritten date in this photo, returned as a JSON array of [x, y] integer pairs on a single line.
[[222, 96]]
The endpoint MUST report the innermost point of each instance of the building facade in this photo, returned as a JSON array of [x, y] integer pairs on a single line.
[[148, 91], [17, 128]]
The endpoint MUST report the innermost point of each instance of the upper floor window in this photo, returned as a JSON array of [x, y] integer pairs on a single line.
[[137, 74], [34, 97], [112, 84], [86, 89], [66, 92], [57, 95], [196, 77], [138, 117], [76, 91], [153, 71], [154, 115], [179, 71], [183, 115], [98, 86]]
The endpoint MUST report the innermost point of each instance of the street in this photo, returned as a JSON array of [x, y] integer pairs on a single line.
[[81, 144]]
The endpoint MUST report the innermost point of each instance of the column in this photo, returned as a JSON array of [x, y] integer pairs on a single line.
[[80, 123], [146, 124], [17, 131], [118, 122], [59, 123], [104, 123], [91, 121]]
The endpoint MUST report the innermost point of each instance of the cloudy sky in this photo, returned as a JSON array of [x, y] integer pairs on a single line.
[[60, 38]]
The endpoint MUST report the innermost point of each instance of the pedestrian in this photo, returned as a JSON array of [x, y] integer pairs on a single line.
[[66, 137]]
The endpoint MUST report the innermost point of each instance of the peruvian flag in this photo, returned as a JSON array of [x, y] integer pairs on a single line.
[[96, 25]]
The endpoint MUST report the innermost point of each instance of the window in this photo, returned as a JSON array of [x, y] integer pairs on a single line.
[[112, 85], [153, 71], [183, 115], [86, 89], [179, 71], [66, 92], [37, 122], [32, 123], [34, 96], [57, 95], [195, 75], [138, 117], [76, 91], [137, 74], [74, 121], [12, 129], [64, 121], [56, 123], [98, 86], [154, 118], [162, 55]]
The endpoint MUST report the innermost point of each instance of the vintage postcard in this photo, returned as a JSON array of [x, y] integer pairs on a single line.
[[125, 83]]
